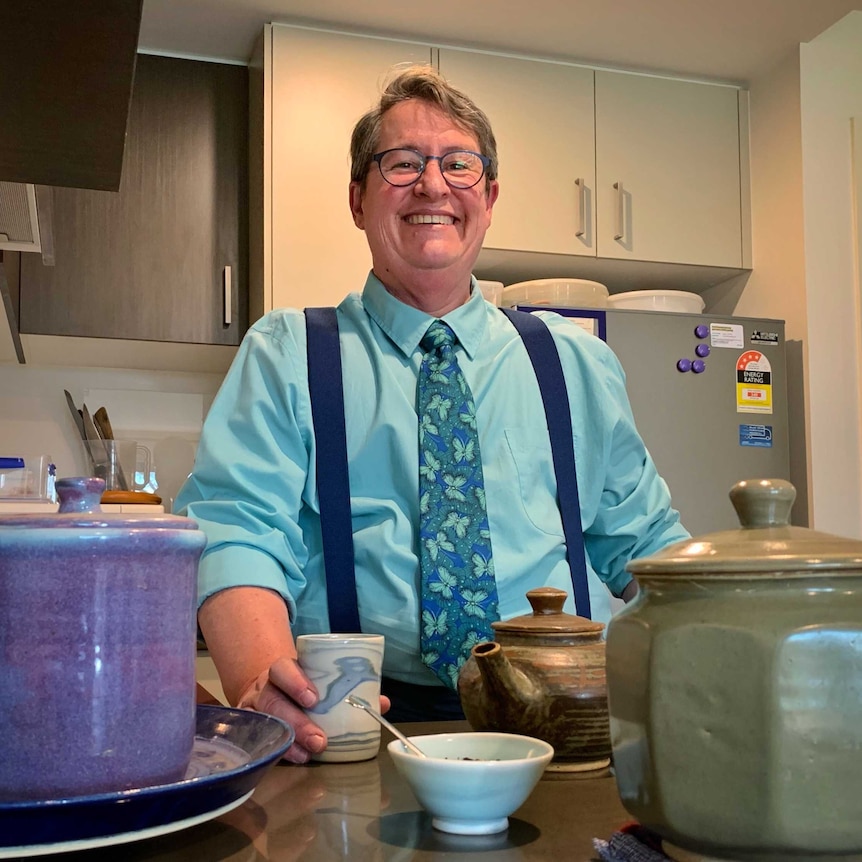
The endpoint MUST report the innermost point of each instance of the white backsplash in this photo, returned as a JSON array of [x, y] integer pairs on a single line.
[[161, 410]]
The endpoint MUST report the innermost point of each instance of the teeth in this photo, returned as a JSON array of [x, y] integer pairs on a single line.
[[430, 219]]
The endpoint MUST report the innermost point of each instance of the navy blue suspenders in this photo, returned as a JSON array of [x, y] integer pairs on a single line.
[[326, 390], [333, 485], [543, 354]]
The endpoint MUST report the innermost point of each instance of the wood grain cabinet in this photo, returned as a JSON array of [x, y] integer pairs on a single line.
[[165, 258], [610, 164]]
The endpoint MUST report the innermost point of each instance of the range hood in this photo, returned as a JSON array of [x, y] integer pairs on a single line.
[[20, 217], [66, 74]]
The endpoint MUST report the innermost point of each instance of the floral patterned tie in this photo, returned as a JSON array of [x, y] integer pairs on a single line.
[[459, 593]]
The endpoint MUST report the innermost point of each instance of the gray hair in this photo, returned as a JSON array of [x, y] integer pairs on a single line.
[[426, 84]]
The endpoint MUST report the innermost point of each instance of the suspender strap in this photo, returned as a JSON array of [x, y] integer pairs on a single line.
[[543, 354], [326, 391]]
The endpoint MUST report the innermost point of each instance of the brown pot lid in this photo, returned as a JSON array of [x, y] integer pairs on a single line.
[[548, 616], [766, 544]]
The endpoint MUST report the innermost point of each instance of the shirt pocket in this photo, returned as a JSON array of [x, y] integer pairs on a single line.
[[530, 450]]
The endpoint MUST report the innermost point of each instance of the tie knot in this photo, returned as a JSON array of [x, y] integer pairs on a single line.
[[437, 336]]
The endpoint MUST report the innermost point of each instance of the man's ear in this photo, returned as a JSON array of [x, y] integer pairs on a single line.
[[356, 194], [491, 197]]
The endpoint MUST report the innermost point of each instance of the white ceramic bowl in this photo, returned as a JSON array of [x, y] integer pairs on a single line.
[[680, 301], [556, 292], [476, 796]]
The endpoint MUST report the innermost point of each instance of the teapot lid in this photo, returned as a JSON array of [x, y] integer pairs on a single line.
[[548, 616], [766, 544]]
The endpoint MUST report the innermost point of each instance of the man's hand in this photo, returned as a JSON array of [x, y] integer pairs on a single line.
[[248, 635], [285, 691]]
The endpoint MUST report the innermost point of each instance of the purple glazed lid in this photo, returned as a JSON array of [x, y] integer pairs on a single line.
[[80, 508]]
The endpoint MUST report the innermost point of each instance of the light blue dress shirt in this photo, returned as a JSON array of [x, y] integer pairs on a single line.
[[253, 488]]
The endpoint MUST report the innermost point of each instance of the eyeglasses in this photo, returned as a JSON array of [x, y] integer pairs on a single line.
[[461, 169]]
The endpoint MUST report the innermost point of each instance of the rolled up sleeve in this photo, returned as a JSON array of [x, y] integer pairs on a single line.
[[252, 466]]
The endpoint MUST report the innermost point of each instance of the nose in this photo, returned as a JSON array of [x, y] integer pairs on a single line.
[[431, 182]]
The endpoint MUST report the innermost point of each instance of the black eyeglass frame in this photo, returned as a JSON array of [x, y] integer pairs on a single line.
[[377, 157]]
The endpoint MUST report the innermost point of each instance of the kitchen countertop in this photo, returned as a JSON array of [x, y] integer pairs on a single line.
[[364, 812]]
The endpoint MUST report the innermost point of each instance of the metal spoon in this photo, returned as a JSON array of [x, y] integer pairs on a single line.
[[360, 703]]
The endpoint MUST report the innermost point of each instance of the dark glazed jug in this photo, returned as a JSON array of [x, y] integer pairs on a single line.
[[735, 689], [97, 648], [543, 676]]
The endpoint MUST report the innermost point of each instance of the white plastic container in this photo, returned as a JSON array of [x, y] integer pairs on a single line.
[[27, 477], [491, 290], [679, 301], [556, 292]]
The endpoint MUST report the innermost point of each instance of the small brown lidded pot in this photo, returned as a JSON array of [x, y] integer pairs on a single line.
[[542, 676], [735, 688], [97, 648]]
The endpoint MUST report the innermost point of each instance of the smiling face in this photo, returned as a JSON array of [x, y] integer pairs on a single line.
[[424, 238]]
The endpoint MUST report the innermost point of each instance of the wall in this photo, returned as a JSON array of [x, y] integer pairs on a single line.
[[831, 94], [805, 264], [162, 410], [777, 281]]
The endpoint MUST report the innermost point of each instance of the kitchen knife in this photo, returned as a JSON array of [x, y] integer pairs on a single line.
[[100, 417], [103, 425], [98, 453], [76, 415]]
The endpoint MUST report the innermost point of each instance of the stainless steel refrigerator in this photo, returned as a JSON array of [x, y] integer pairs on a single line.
[[709, 396]]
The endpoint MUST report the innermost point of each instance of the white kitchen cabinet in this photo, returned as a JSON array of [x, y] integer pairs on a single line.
[[542, 116], [567, 134], [668, 170], [316, 84], [611, 164]]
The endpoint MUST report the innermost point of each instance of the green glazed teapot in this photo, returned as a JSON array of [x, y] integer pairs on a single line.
[[735, 689]]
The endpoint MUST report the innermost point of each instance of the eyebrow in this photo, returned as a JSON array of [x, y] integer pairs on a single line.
[[446, 150]]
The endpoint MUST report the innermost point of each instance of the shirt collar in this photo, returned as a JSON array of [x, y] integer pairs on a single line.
[[405, 325]]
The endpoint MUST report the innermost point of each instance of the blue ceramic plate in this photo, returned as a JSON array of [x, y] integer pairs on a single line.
[[233, 749]]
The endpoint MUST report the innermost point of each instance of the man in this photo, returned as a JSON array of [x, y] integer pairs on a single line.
[[423, 188]]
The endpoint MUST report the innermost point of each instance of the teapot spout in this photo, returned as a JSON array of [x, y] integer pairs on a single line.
[[506, 686]]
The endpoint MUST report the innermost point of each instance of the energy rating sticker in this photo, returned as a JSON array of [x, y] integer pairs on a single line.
[[753, 383]]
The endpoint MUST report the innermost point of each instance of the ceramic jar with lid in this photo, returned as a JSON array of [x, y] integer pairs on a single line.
[[735, 688], [97, 648], [544, 676]]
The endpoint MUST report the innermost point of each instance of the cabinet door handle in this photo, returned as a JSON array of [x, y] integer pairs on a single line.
[[228, 297], [582, 206], [619, 217]]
